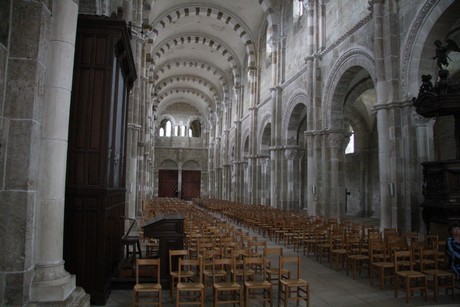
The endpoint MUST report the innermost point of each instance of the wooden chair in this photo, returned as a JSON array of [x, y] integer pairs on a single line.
[[323, 245], [311, 240], [299, 238], [256, 285], [356, 256], [293, 285], [257, 248], [190, 287], [278, 231], [379, 263], [405, 274], [439, 278], [174, 256], [416, 248], [272, 256], [338, 251], [442, 257], [225, 288], [208, 273], [411, 238], [431, 241], [147, 292]]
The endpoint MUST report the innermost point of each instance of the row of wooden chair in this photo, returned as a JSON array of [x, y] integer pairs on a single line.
[[229, 280], [213, 244], [349, 245]]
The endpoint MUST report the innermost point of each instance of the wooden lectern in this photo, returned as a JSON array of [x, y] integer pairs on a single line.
[[169, 230]]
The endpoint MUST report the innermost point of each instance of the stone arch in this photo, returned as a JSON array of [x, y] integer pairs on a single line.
[[357, 116], [347, 65], [295, 112], [187, 78], [168, 117], [191, 165], [211, 42], [196, 64], [220, 15], [272, 16], [168, 164], [419, 43], [264, 135], [190, 91], [245, 138], [191, 125]]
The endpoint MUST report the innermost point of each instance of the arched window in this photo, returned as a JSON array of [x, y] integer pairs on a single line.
[[165, 128], [297, 8], [168, 128], [195, 129], [268, 46], [351, 144]]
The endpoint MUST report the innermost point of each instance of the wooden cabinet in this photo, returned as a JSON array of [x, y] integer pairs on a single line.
[[104, 73]]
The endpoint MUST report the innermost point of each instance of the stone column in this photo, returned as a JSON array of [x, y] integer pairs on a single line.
[[384, 167], [382, 116], [245, 191], [252, 193], [51, 283], [276, 153], [179, 180], [252, 173], [292, 194], [218, 169], [336, 174], [264, 180], [425, 150]]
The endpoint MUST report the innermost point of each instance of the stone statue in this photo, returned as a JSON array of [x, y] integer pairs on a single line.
[[427, 85], [442, 52]]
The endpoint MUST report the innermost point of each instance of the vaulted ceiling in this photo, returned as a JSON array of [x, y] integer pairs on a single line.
[[199, 50]]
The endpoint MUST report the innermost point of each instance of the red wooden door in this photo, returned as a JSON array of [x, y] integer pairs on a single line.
[[191, 184], [167, 183]]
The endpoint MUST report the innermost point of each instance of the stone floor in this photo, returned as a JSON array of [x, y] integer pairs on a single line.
[[328, 288]]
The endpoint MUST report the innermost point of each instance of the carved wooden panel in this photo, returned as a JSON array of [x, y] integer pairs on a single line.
[[167, 183], [95, 184], [191, 184]]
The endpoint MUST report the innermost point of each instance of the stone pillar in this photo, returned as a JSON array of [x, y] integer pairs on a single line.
[[425, 150], [265, 186], [311, 174], [179, 180], [51, 283], [276, 153], [218, 169], [315, 33], [252, 173], [336, 174], [424, 135], [219, 183], [293, 155], [384, 168], [245, 181], [382, 116], [252, 194]]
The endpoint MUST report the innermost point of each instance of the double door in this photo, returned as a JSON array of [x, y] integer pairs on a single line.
[[185, 184]]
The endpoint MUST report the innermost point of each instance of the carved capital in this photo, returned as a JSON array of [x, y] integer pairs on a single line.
[[293, 153], [337, 140], [421, 121]]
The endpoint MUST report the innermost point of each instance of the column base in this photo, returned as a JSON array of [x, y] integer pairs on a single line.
[[51, 283], [77, 298]]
